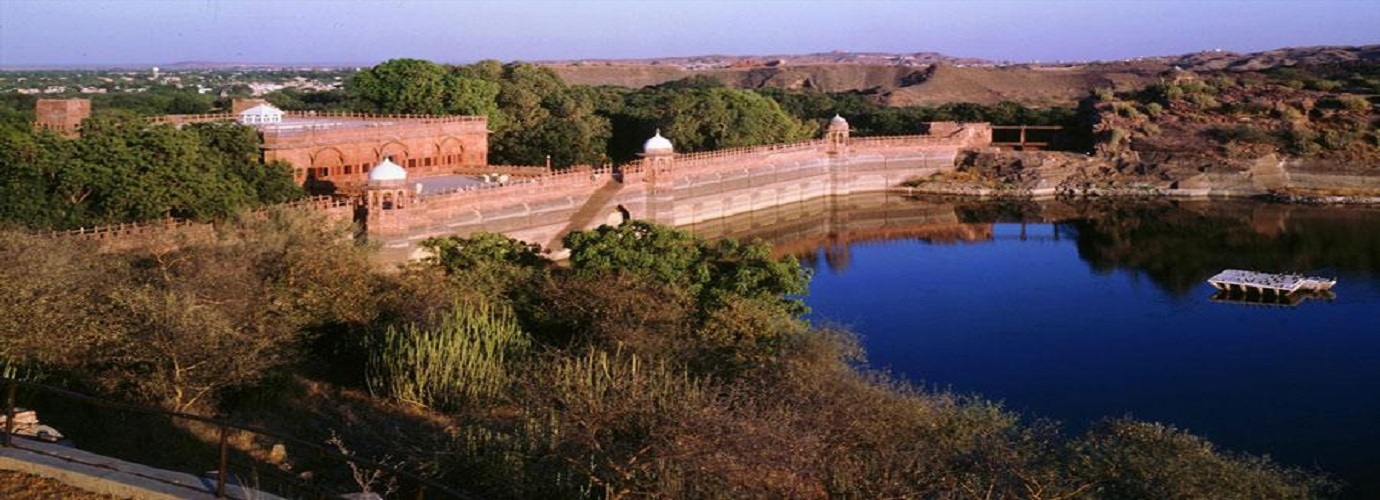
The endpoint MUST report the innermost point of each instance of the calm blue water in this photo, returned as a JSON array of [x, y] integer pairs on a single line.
[[1111, 319]]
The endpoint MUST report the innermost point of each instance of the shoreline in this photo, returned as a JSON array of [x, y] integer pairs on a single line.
[[1047, 175], [981, 193]]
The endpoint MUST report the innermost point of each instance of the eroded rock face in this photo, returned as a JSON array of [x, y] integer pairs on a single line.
[[1050, 174]]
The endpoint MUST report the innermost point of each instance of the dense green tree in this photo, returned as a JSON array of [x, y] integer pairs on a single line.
[[401, 86], [490, 263], [870, 118], [234, 149], [702, 117], [546, 118], [534, 115], [189, 103], [16, 110], [138, 172], [122, 169], [157, 101], [29, 163], [712, 271], [308, 100], [473, 96]]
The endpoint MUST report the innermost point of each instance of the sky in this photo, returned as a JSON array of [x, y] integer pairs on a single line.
[[364, 32]]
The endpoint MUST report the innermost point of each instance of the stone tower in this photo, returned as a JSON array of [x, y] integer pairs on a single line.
[[836, 145], [836, 137], [63, 116], [658, 157]]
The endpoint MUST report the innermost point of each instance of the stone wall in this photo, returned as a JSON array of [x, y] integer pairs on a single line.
[[698, 188]]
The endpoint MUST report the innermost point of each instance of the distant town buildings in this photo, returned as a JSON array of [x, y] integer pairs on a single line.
[[202, 81]]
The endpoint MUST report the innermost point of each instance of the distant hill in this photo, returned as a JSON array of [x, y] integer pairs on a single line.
[[926, 78], [816, 59], [1258, 61]]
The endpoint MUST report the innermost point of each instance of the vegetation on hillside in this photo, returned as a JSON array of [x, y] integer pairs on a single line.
[[1298, 112], [654, 364]]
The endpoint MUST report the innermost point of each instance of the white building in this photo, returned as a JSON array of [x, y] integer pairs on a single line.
[[261, 114]]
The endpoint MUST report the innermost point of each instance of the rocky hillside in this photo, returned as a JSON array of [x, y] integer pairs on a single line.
[[1301, 132], [929, 79], [897, 85], [1246, 115], [1260, 61], [1031, 85]]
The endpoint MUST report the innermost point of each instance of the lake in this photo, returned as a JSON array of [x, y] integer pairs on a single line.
[[1079, 311]]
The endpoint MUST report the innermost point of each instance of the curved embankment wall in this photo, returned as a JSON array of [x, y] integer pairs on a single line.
[[696, 188]]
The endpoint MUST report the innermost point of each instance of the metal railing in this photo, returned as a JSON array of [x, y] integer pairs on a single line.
[[421, 488]]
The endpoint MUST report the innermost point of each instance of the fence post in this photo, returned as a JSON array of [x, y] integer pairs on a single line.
[[11, 385], [224, 456]]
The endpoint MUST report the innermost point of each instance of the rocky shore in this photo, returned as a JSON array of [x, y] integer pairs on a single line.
[[1045, 174]]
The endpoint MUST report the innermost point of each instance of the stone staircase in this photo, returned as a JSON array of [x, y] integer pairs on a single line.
[[593, 207]]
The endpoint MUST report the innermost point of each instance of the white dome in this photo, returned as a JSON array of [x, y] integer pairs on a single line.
[[657, 143], [838, 123], [387, 171]]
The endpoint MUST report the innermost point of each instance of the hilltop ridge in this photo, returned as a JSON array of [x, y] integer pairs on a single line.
[[925, 78]]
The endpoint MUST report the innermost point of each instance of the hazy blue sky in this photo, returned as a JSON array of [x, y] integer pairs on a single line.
[[38, 32]]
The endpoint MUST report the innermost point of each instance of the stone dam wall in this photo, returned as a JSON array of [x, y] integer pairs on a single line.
[[689, 189]]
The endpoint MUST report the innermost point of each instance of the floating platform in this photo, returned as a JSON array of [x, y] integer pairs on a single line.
[[1237, 281]]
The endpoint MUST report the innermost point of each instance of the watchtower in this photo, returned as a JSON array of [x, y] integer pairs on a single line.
[[387, 188], [836, 137], [657, 158]]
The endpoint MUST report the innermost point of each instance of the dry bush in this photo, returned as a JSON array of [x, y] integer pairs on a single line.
[[1129, 459]]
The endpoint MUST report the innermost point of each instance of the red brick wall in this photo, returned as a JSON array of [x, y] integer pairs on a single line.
[[423, 146]]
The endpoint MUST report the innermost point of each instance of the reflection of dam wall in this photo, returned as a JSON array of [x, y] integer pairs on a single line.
[[675, 190], [831, 224]]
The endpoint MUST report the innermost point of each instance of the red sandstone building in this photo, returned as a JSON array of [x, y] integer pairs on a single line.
[[63, 116], [339, 148]]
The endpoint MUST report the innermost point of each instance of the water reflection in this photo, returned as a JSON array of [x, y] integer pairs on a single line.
[[1079, 311], [1287, 300], [1176, 244]]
